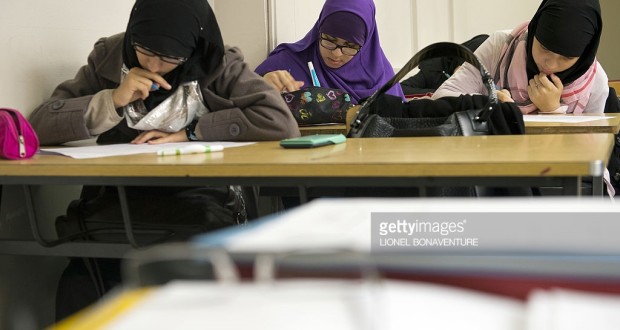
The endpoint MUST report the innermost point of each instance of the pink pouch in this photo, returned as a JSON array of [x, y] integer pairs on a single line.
[[17, 138]]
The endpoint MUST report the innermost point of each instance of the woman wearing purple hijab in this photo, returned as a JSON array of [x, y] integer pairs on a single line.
[[343, 46]]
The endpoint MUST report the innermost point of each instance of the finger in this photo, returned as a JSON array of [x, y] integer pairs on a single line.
[[144, 91], [531, 89], [160, 140], [532, 83], [504, 96], [136, 84], [545, 82], [152, 77], [507, 92], [138, 139], [294, 85], [159, 81], [288, 81], [556, 81], [145, 137], [273, 80], [164, 137]]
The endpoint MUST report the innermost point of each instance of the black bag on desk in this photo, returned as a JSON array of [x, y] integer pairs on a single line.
[[318, 105], [466, 115]]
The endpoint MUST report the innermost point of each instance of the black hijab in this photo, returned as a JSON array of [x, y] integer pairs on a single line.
[[179, 28], [567, 27]]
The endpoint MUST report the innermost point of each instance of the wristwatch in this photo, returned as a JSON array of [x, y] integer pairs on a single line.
[[189, 131]]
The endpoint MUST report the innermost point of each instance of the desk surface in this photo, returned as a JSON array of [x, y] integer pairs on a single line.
[[609, 125], [481, 156]]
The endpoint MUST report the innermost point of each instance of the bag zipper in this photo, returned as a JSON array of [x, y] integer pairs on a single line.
[[20, 136], [22, 146]]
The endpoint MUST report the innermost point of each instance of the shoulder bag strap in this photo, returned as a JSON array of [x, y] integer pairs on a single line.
[[440, 49]]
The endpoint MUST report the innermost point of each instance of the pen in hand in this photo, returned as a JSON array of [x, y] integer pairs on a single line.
[[154, 86], [315, 78], [190, 149]]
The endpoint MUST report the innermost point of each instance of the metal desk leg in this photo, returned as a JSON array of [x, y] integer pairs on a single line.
[[122, 196], [597, 186], [303, 194], [34, 224]]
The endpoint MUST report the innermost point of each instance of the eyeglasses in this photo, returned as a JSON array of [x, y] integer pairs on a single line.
[[346, 50], [151, 53]]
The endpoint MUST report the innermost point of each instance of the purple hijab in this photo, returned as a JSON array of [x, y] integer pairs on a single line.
[[360, 77]]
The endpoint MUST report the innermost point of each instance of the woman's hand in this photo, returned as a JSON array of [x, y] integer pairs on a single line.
[[159, 137], [504, 96], [545, 93], [138, 83], [282, 81]]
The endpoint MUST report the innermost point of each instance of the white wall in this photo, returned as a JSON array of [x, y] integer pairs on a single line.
[[246, 29], [406, 26], [609, 50], [44, 42]]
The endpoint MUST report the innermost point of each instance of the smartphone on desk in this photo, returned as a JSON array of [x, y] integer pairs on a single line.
[[313, 141]]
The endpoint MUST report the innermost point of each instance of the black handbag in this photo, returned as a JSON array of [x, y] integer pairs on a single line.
[[318, 105], [507, 119]]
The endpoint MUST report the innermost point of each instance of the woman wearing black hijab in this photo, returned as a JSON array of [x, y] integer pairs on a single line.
[[133, 85], [545, 65], [168, 78]]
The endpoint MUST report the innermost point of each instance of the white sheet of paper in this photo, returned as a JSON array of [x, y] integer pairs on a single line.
[[320, 304], [96, 151], [560, 309], [560, 118], [350, 304]]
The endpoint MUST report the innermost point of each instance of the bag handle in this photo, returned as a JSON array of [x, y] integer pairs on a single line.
[[440, 49]]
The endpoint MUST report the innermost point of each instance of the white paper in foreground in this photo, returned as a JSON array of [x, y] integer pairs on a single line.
[[561, 119], [349, 304], [129, 149]]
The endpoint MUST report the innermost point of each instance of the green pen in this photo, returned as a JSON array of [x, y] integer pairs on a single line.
[[190, 149]]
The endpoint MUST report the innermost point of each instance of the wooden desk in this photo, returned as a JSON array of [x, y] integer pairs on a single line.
[[369, 160], [609, 125], [531, 160]]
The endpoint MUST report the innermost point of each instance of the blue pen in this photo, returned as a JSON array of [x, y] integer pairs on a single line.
[[315, 79]]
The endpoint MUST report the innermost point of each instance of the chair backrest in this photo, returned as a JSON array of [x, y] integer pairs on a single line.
[[615, 84], [612, 104]]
